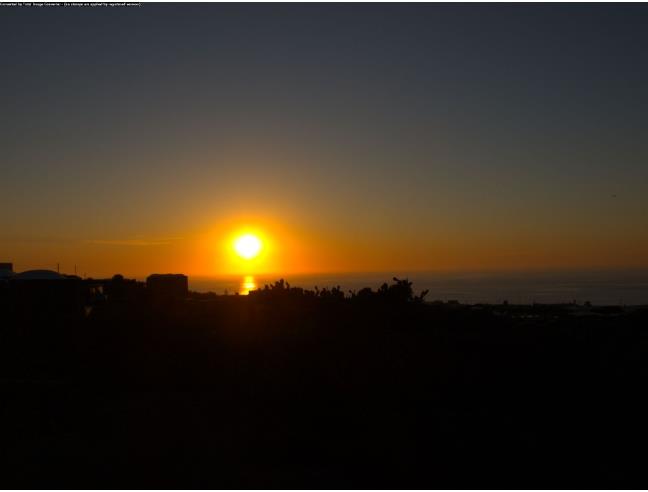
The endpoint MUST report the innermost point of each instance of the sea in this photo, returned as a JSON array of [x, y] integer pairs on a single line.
[[599, 287]]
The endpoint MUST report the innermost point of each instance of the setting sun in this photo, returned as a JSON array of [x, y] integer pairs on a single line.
[[247, 246]]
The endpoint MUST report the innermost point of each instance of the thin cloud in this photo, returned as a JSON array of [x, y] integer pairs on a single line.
[[134, 242]]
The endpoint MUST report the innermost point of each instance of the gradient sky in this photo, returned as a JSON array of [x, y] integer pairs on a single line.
[[354, 137]]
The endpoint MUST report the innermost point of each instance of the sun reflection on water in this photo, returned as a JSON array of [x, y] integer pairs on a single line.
[[247, 285]]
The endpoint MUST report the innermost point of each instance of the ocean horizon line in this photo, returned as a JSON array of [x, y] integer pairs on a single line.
[[610, 287]]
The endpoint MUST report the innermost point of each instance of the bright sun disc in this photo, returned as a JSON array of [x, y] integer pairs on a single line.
[[247, 246]]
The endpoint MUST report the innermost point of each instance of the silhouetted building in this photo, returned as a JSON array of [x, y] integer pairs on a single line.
[[120, 289], [39, 275], [169, 286], [45, 292], [6, 270]]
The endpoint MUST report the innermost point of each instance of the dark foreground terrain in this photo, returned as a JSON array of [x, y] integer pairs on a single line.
[[290, 389]]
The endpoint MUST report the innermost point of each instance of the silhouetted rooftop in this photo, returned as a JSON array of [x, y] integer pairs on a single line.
[[39, 275], [166, 275]]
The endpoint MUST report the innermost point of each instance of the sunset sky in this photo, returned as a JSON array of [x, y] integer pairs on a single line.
[[347, 137]]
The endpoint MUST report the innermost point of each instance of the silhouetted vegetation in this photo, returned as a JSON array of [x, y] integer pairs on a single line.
[[290, 387]]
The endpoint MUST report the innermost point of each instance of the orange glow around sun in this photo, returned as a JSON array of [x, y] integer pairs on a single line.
[[244, 245], [246, 251]]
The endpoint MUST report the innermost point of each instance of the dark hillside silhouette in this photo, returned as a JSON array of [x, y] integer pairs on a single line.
[[298, 388]]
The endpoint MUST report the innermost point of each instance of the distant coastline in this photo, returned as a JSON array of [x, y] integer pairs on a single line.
[[600, 287]]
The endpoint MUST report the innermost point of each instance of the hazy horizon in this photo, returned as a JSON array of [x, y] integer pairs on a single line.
[[597, 286]]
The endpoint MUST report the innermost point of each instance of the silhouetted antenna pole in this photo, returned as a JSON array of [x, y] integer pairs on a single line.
[[57, 268]]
